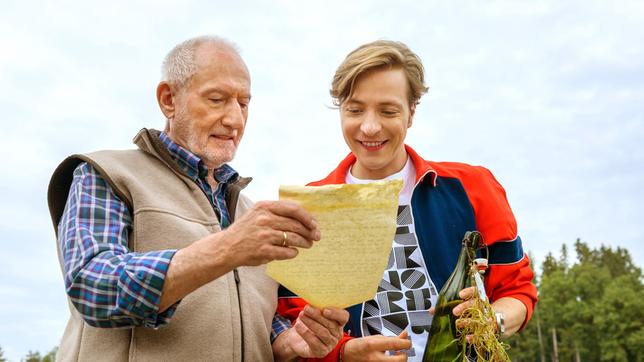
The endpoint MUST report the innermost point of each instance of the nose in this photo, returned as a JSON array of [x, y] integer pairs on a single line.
[[370, 125], [234, 116]]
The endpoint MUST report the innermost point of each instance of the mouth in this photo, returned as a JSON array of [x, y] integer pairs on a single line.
[[223, 137], [373, 145]]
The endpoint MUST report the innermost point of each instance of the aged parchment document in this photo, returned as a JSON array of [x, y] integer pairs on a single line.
[[357, 223]]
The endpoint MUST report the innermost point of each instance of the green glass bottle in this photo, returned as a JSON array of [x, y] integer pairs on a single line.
[[442, 345]]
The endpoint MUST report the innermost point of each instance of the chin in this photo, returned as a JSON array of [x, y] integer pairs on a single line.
[[218, 157]]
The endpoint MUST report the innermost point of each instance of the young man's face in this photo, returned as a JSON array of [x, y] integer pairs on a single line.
[[374, 122], [212, 109]]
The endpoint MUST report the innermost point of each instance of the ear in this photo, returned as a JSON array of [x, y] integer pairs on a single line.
[[412, 112], [165, 98]]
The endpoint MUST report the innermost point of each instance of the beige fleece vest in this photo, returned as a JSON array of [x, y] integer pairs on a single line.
[[221, 321]]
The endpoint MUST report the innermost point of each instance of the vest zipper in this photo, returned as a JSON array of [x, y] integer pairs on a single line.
[[241, 318]]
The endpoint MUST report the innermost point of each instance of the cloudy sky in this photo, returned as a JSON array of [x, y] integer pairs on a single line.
[[549, 95]]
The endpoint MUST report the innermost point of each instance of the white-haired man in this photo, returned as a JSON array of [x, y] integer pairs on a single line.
[[161, 254]]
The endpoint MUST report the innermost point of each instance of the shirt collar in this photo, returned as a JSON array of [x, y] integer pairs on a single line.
[[193, 165], [423, 169]]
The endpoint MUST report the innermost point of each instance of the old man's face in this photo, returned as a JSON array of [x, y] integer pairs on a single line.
[[212, 108]]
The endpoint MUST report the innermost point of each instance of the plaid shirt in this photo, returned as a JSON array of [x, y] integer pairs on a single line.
[[108, 284]]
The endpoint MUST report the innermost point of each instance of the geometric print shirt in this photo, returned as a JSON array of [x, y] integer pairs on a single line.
[[406, 292]]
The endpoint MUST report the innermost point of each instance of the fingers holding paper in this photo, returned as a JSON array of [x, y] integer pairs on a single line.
[[270, 230], [327, 324], [315, 333]]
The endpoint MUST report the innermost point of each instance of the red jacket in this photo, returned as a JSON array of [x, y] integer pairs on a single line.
[[449, 199]]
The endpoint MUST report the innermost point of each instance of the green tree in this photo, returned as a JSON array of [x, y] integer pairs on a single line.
[[551, 264], [595, 305], [620, 315], [32, 356], [2, 359], [51, 356], [525, 345]]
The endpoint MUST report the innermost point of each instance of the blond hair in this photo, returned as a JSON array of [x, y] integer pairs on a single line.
[[377, 55]]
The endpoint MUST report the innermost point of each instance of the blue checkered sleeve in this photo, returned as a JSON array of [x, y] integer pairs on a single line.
[[108, 284], [280, 324]]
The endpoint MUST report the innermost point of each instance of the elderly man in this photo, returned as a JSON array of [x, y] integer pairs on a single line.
[[161, 254]]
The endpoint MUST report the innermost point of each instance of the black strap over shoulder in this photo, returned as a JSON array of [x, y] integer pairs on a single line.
[[58, 189]]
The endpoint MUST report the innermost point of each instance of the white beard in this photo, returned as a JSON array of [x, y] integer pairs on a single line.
[[213, 158]]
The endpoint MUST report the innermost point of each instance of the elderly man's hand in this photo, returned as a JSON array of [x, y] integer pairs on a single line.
[[270, 230], [315, 333]]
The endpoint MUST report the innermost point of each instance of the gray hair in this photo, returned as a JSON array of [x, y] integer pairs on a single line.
[[179, 64]]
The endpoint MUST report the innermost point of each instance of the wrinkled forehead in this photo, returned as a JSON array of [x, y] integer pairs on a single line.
[[219, 70], [221, 56]]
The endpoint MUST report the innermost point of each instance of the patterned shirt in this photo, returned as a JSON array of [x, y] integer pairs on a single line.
[[406, 292], [108, 284]]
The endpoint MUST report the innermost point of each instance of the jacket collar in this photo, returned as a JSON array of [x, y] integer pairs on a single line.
[[149, 141], [337, 176]]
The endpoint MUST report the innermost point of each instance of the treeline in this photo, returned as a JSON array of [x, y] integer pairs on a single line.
[[590, 310], [33, 356]]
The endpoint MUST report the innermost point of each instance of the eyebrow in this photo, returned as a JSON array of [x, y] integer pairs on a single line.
[[224, 92], [385, 103]]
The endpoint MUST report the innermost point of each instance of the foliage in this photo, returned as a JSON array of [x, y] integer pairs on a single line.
[[484, 342], [2, 359], [594, 306], [32, 357], [51, 356]]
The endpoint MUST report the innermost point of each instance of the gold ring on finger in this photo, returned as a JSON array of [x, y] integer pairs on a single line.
[[285, 239]]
